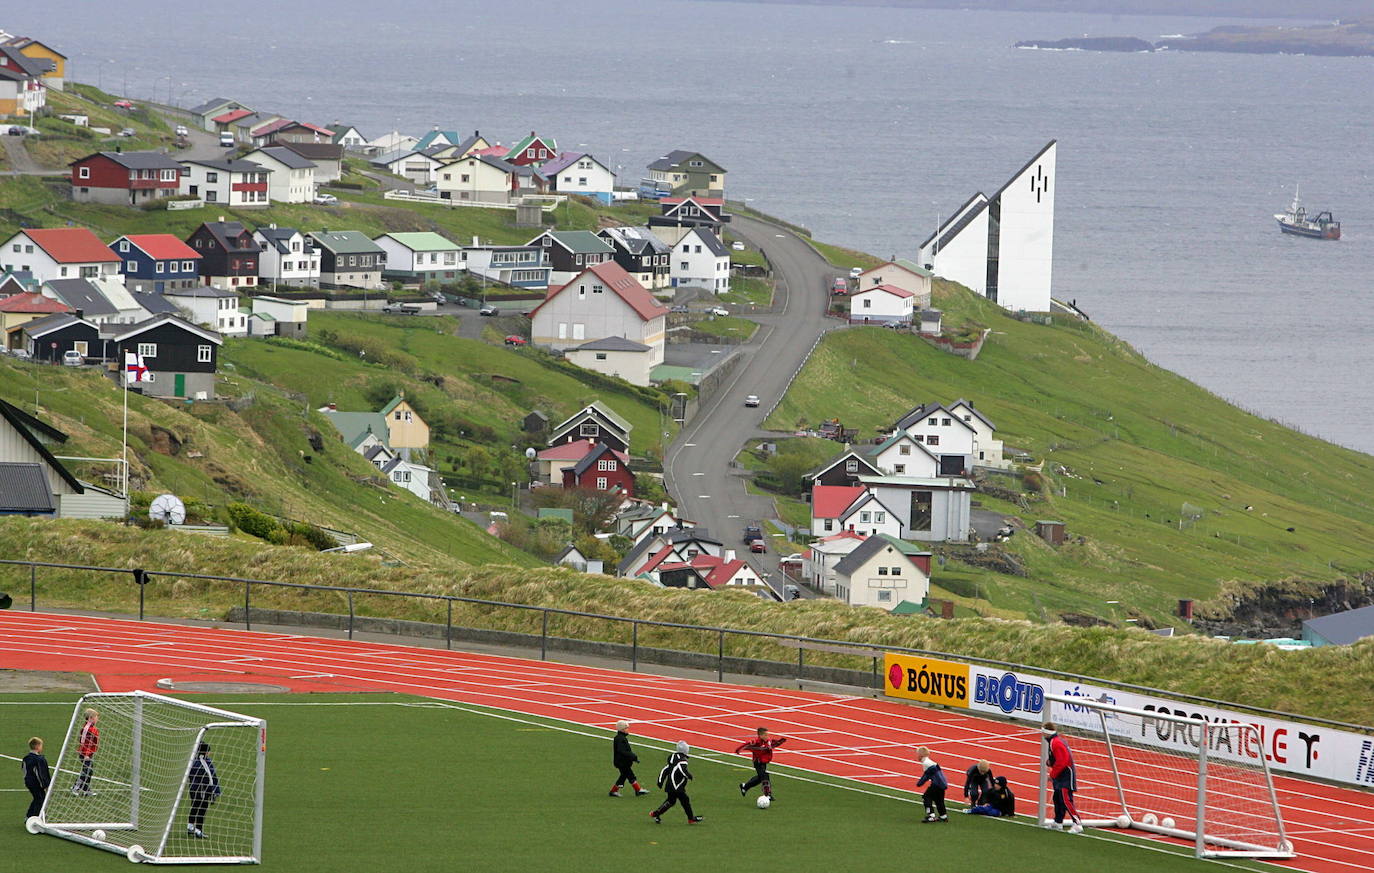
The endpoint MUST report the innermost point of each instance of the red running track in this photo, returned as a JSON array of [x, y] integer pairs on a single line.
[[850, 737]]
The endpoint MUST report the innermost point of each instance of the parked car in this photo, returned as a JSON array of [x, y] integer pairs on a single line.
[[16, 130], [326, 200], [182, 131], [751, 400], [758, 546], [855, 272], [791, 592], [226, 140], [839, 286], [128, 131], [73, 358], [21, 354], [402, 308], [752, 532], [514, 340], [681, 307], [737, 246], [487, 310], [123, 104], [718, 310]]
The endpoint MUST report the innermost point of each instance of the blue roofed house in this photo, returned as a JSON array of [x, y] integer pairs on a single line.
[[437, 137]]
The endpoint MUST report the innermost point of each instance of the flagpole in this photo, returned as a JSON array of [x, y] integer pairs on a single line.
[[124, 379]]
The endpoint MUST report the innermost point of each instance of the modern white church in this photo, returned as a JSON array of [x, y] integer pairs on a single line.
[[1003, 246]]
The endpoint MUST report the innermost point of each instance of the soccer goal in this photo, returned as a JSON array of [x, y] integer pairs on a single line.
[[159, 780], [1206, 782]]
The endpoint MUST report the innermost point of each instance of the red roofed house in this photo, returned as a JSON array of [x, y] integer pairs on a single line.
[[59, 253], [601, 302], [156, 262], [818, 561], [124, 178], [707, 571], [828, 503], [881, 304], [533, 149], [601, 469], [555, 459], [26, 306]]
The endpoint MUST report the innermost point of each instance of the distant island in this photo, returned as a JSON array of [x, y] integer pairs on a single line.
[[1341, 39]]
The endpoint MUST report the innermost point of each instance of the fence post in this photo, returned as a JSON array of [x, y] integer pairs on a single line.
[[801, 661], [247, 606], [142, 586], [720, 655], [544, 638], [33, 588], [448, 627], [350, 615], [634, 647], [877, 683]]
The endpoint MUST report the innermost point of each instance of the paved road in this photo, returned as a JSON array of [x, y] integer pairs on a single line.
[[21, 162], [698, 473]]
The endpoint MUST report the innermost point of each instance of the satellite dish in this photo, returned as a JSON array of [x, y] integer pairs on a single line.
[[167, 508]]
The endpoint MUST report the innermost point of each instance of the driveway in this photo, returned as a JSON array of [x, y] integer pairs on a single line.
[[21, 161], [698, 473]]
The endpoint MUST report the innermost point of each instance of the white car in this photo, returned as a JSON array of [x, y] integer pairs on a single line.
[[856, 272], [718, 310], [182, 131], [751, 400], [73, 358], [326, 200], [737, 246]]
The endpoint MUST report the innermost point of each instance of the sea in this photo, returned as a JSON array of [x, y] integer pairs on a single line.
[[866, 124]]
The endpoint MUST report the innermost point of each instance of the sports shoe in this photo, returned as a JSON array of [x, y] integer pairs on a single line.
[[928, 819], [1076, 828], [944, 818], [614, 792], [696, 820], [198, 834], [966, 810], [1054, 826], [641, 792], [742, 790], [656, 817], [191, 829]]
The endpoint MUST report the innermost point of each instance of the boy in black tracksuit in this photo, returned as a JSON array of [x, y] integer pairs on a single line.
[[37, 776], [978, 779], [934, 778], [673, 778], [624, 759], [998, 801]]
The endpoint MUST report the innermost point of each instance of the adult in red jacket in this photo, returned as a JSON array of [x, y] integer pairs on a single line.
[[88, 742], [1063, 781], [761, 750]]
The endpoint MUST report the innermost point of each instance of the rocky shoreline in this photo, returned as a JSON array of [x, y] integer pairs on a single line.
[[1342, 39]]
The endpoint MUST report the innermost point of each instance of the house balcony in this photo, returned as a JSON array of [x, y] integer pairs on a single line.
[[249, 186], [150, 185]]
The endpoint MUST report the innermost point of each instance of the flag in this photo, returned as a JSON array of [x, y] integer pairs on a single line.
[[134, 370]]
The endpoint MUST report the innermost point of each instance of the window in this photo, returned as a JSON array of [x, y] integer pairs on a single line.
[[410, 416], [604, 466], [81, 173], [577, 259], [563, 333], [899, 469], [124, 245], [896, 571], [882, 571], [80, 347], [159, 267], [851, 466], [879, 517], [211, 196], [589, 429], [211, 177], [204, 354], [918, 438], [920, 511], [933, 421], [463, 178], [868, 303], [684, 265], [130, 266], [829, 524], [596, 288], [543, 153], [884, 595], [529, 153], [932, 440], [579, 331], [904, 449], [968, 418], [696, 164], [601, 356], [601, 483], [864, 517], [147, 350], [582, 180], [946, 422]]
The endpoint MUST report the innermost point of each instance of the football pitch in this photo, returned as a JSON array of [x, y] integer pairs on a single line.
[[388, 783]]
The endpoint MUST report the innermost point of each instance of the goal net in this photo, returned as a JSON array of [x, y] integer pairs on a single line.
[[1205, 782], [159, 780]]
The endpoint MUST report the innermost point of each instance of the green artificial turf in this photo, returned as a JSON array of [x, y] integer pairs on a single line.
[[395, 784]]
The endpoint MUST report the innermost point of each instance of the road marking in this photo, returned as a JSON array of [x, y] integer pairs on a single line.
[[732, 516], [698, 474], [689, 445], [703, 497]]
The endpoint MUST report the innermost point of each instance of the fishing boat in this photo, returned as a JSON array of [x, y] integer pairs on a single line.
[[1297, 222]]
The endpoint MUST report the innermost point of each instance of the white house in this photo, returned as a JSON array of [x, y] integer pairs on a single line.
[[615, 356], [347, 136], [291, 178], [649, 519], [883, 572], [273, 316], [944, 433], [421, 256], [818, 561], [672, 547], [987, 449], [700, 260], [477, 177], [930, 509], [231, 182], [289, 257], [601, 301], [1003, 246], [415, 478], [210, 307], [518, 266], [103, 300], [415, 166], [390, 142], [902, 455], [868, 515], [828, 504], [899, 273], [59, 253], [578, 173], [881, 304]]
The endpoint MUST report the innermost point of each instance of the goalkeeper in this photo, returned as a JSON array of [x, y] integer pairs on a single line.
[[1063, 780], [88, 743], [203, 787], [37, 776]]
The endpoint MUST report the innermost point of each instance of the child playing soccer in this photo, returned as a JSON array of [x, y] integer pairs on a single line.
[[88, 742], [624, 759], [673, 778], [978, 780], [998, 801], [203, 788], [761, 750], [934, 778], [37, 777]]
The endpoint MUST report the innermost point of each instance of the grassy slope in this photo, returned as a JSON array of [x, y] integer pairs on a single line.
[[1140, 441], [258, 455], [330, 802], [1331, 681], [62, 142]]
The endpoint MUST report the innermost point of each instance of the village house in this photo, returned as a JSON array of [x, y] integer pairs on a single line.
[[418, 166], [870, 516], [883, 572], [25, 306], [844, 469], [601, 469], [900, 273], [367, 434], [230, 182], [828, 504], [931, 322], [288, 257], [583, 174], [437, 137], [945, 433], [203, 115], [124, 178], [390, 142], [22, 92], [479, 178], [689, 174], [419, 257], [213, 308], [50, 337], [156, 262], [600, 302], [229, 256], [902, 455], [820, 558], [273, 316], [102, 300], [348, 259], [532, 150], [929, 509], [37, 484], [615, 356], [346, 135], [642, 254], [596, 422], [649, 519], [881, 304], [987, 449], [572, 251], [181, 357], [326, 156], [34, 49], [552, 461], [290, 177], [703, 212], [700, 260], [405, 429], [59, 253], [706, 572], [299, 132], [525, 267], [674, 546]]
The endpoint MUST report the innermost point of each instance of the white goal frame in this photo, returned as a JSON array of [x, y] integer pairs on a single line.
[[1201, 839], [214, 719]]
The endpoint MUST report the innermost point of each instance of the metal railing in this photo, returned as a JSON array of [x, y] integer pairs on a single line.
[[636, 650]]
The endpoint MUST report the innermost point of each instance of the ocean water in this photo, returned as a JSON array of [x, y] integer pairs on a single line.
[[865, 125]]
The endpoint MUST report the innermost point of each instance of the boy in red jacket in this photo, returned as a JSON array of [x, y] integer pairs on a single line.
[[88, 742], [1063, 780], [761, 750]]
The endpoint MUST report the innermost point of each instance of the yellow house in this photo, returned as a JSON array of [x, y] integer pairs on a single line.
[[25, 307], [57, 76], [405, 428]]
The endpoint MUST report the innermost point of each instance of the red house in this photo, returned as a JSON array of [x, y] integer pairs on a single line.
[[124, 178], [601, 469], [532, 150]]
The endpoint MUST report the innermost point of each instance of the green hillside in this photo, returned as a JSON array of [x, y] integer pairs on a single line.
[[1125, 445]]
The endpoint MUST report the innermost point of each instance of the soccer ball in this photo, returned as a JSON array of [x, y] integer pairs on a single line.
[[97, 835], [1123, 821], [1148, 818], [764, 802], [1166, 822]]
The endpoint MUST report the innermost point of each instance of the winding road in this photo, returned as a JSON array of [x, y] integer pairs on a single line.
[[698, 473]]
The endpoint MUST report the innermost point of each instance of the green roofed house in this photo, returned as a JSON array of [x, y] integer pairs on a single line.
[[572, 251], [358, 430], [347, 136], [688, 174], [533, 150], [417, 258], [348, 258]]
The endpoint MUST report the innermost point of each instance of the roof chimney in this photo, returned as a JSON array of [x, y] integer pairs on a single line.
[[79, 314], [729, 554]]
